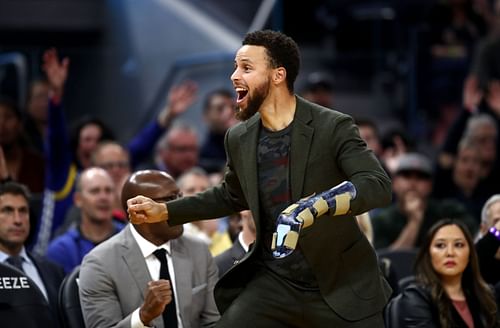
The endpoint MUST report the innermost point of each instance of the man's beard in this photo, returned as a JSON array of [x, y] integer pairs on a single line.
[[254, 102]]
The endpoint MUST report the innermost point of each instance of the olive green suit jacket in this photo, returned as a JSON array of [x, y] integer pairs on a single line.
[[325, 150]]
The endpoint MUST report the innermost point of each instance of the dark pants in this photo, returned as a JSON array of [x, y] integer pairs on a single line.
[[268, 301]]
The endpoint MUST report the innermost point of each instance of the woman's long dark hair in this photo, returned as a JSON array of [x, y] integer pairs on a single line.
[[473, 284], [106, 133]]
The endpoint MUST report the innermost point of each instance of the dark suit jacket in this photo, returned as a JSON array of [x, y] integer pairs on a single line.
[[326, 149], [52, 276], [22, 304], [229, 257]]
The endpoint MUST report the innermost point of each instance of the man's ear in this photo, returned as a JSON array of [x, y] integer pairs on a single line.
[[279, 75], [77, 199]]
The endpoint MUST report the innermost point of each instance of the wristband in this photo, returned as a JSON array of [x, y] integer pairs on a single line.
[[495, 232]]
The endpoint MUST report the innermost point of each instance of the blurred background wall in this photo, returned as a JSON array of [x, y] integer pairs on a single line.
[[125, 54]]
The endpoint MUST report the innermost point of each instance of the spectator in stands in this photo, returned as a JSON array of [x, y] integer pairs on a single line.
[[462, 181], [22, 164], [94, 197], [246, 237], [319, 89], [455, 27], [485, 68], [405, 223], [115, 159], [481, 95], [66, 157], [119, 283], [36, 116], [112, 157], [178, 150], [14, 230], [395, 143], [190, 183], [488, 246], [219, 115], [482, 131], [368, 131], [450, 291]]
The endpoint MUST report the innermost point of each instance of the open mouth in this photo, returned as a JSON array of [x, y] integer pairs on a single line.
[[242, 93]]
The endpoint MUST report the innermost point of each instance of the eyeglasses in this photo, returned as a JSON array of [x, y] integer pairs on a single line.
[[167, 198], [118, 165], [183, 149]]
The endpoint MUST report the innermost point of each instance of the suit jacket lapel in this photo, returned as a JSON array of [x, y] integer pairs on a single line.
[[302, 135], [47, 280], [183, 280], [248, 152], [135, 261]]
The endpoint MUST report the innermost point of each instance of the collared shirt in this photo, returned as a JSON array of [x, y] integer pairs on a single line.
[[29, 268], [242, 242], [147, 248]]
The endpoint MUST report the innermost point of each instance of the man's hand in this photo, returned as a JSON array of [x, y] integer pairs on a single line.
[[145, 210], [56, 70], [180, 97], [494, 96], [413, 206], [158, 295], [472, 94]]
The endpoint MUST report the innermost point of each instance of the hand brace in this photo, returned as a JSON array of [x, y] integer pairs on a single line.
[[302, 214]]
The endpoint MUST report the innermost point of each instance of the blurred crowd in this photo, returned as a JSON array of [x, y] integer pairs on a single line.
[[62, 182]]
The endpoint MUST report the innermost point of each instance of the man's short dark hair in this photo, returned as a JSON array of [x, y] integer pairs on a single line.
[[282, 51], [15, 188]]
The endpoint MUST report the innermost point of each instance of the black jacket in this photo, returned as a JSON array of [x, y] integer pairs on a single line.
[[417, 310]]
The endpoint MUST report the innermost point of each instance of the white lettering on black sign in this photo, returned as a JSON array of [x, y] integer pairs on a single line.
[[14, 283]]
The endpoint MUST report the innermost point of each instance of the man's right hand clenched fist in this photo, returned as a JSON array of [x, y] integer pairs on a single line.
[[145, 210], [158, 295]]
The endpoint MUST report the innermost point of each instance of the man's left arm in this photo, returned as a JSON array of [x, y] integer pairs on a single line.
[[99, 301], [361, 167]]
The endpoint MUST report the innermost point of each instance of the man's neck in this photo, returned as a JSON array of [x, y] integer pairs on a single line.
[[248, 237], [96, 231], [278, 110], [12, 250]]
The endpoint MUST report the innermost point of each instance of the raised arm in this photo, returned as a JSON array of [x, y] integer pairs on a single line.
[[179, 99]]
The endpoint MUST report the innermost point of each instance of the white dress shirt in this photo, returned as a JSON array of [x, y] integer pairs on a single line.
[[147, 248], [242, 242]]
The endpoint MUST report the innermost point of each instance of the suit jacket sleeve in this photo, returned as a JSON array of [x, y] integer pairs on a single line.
[[360, 166], [100, 305], [219, 201]]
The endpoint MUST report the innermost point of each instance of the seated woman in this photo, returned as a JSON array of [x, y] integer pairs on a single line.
[[449, 290]]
